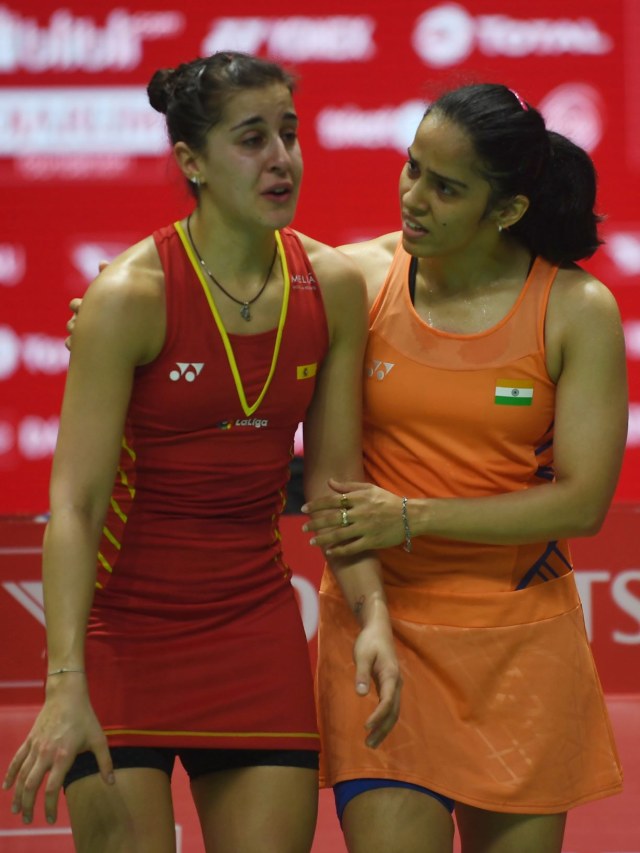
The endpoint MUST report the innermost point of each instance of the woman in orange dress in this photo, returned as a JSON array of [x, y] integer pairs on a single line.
[[495, 415]]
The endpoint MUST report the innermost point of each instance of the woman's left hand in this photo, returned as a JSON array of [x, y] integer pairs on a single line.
[[358, 517], [375, 658]]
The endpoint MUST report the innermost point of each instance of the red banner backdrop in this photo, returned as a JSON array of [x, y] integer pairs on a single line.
[[85, 168]]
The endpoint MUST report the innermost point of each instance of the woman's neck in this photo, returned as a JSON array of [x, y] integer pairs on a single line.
[[233, 253], [473, 271]]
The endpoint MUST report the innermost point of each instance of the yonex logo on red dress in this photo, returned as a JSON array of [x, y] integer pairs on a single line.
[[188, 370]]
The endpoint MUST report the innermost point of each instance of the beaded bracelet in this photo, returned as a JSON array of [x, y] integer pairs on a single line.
[[405, 524]]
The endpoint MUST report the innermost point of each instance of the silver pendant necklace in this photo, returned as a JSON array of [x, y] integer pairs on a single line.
[[245, 310]]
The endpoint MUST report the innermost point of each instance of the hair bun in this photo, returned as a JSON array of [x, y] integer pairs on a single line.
[[160, 89]]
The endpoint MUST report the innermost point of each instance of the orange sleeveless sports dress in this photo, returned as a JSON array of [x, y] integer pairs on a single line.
[[501, 707]]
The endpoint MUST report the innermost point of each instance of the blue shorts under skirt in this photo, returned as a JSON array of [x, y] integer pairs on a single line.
[[344, 792]]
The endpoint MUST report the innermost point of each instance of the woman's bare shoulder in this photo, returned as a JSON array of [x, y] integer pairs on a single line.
[[128, 297], [386, 243], [373, 258], [137, 272], [339, 277], [576, 291]]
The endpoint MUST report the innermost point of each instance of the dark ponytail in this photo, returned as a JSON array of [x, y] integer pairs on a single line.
[[520, 156], [561, 224]]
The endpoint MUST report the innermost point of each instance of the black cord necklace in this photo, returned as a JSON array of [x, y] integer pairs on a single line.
[[245, 311]]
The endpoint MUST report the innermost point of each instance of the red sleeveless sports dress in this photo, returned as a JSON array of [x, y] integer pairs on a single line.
[[195, 637]]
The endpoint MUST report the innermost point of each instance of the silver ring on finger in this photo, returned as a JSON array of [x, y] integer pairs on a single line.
[[345, 517], [344, 502]]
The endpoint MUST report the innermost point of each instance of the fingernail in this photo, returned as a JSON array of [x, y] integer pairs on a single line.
[[111, 779], [312, 541], [51, 819], [26, 819], [304, 508], [305, 528], [361, 688]]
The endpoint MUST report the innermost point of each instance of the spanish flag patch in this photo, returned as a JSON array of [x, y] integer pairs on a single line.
[[513, 392], [306, 371]]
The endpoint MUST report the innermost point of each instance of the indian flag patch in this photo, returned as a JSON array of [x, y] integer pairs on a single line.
[[513, 392]]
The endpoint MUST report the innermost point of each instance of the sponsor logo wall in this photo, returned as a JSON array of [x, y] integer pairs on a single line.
[[85, 169]]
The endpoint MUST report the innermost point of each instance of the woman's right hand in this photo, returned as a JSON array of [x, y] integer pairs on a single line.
[[74, 307], [65, 727]]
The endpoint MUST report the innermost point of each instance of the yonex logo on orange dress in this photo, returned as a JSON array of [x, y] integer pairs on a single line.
[[379, 369]]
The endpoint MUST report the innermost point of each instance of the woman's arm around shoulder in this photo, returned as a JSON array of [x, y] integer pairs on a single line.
[[373, 259]]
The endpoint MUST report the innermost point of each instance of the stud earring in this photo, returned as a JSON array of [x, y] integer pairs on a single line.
[[499, 228], [195, 180]]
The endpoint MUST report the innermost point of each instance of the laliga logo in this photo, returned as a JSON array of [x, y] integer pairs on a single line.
[[447, 34]]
